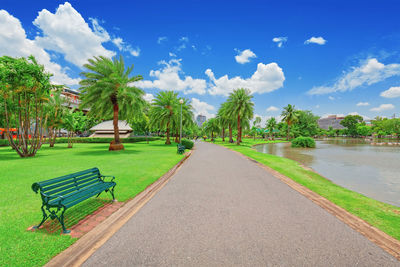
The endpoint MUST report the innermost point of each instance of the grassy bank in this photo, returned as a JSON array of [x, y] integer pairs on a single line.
[[139, 165], [381, 215]]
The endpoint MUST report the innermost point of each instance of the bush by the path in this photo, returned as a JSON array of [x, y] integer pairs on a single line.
[[187, 143], [303, 142]]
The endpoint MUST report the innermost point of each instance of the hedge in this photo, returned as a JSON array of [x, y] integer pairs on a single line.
[[62, 140], [303, 142], [188, 144]]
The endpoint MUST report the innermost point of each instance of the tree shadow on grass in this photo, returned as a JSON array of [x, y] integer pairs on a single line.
[[73, 216], [106, 153]]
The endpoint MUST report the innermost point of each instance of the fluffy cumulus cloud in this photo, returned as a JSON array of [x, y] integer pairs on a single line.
[[68, 33], [202, 108], [316, 40], [168, 78], [267, 78], [383, 107], [244, 56], [272, 109], [14, 42], [123, 46], [369, 72], [392, 92], [148, 97], [362, 104], [279, 41]]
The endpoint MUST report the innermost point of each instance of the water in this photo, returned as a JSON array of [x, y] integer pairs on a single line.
[[373, 171]]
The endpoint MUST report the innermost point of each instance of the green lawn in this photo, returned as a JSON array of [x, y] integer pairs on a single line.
[[381, 215], [139, 165]]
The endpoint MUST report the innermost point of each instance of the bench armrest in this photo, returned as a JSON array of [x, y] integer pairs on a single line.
[[105, 176]]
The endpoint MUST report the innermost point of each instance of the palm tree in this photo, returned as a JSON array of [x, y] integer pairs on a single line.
[[241, 106], [224, 113], [108, 91], [211, 126], [224, 121], [256, 125], [164, 110], [290, 116], [271, 125]]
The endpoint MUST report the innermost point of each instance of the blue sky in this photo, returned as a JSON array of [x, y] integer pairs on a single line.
[[331, 57]]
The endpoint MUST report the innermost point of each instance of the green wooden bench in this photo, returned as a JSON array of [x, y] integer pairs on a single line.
[[61, 193], [181, 149]]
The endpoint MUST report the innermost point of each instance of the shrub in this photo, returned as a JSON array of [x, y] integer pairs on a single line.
[[4, 142], [303, 142], [187, 143]]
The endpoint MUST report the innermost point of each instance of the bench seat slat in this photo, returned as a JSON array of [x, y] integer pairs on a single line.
[[69, 180], [58, 179], [73, 184], [76, 190]]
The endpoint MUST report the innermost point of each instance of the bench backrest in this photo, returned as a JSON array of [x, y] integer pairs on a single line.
[[67, 184]]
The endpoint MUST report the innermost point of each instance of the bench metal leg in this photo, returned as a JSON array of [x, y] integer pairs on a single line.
[[61, 220], [45, 216], [112, 192]]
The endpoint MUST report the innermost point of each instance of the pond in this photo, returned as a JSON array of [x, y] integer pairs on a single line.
[[373, 171]]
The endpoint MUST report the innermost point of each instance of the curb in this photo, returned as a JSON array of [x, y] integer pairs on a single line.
[[373, 234], [83, 248]]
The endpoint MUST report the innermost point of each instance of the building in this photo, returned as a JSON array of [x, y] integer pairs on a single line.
[[200, 120], [72, 99], [331, 121], [106, 129]]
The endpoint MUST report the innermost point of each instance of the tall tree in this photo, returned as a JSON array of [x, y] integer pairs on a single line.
[[240, 106], [163, 111], [211, 126], [351, 122], [25, 89], [108, 91], [224, 121], [271, 125], [54, 114], [290, 116]]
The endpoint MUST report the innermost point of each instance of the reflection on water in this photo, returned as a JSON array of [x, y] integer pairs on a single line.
[[352, 163]]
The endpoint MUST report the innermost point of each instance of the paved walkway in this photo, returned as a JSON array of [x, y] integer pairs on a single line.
[[222, 210]]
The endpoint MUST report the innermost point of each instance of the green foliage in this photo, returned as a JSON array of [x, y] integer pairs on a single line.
[[351, 122], [211, 126], [24, 91], [364, 130], [188, 144], [306, 124], [4, 142], [290, 116], [302, 141]]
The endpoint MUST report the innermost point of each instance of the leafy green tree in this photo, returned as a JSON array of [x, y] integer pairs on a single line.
[[256, 125], [364, 130], [271, 126], [211, 126], [25, 89], [290, 116], [74, 122], [108, 92], [306, 124], [164, 110], [54, 115], [224, 121], [228, 118], [351, 122], [240, 106]]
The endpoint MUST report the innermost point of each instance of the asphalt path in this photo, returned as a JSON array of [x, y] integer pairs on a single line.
[[221, 209]]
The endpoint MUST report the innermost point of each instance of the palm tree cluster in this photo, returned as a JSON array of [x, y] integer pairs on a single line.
[[235, 114]]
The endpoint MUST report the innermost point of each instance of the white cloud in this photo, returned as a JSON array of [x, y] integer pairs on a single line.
[[172, 54], [280, 40], [363, 116], [122, 46], [392, 92], [148, 97], [202, 108], [184, 39], [267, 78], [244, 56], [362, 104], [331, 98], [272, 109], [68, 33], [161, 39], [167, 78], [383, 107], [14, 42], [316, 40], [369, 72]]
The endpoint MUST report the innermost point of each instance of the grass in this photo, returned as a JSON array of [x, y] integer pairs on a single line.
[[383, 216], [135, 168]]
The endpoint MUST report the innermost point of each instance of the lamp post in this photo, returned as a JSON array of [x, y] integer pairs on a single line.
[[180, 137]]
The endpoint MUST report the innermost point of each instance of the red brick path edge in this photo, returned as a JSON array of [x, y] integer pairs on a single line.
[[86, 224]]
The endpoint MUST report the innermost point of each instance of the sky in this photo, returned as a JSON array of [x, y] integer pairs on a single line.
[[330, 57]]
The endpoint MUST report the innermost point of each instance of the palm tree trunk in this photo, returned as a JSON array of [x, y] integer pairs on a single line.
[[116, 143], [238, 135], [230, 134], [288, 132], [223, 134], [212, 136], [168, 142], [176, 138]]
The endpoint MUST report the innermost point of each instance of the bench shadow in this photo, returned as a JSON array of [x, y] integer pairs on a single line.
[[73, 216]]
